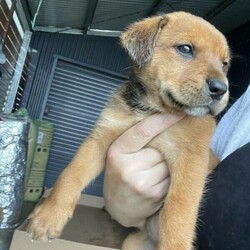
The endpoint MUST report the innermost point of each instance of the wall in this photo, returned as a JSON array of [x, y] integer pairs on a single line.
[[103, 52]]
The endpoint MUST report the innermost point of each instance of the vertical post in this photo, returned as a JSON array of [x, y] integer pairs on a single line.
[[18, 72]]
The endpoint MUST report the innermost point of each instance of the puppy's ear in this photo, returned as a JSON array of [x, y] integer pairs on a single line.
[[139, 39]]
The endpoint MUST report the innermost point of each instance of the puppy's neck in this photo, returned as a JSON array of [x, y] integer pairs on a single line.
[[143, 97]]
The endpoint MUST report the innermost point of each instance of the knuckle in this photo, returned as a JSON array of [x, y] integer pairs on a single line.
[[111, 155], [140, 187], [126, 175], [156, 196], [142, 130]]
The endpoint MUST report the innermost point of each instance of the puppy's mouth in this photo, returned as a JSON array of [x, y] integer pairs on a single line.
[[176, 102], [192, 109]]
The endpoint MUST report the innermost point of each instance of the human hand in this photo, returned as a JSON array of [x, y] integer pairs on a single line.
[[137, 178]]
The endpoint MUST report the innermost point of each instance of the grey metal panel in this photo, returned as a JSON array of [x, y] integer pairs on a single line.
[[116, 15], [76, 97], [60, 13], [103, 52], [197, 7], [233, 16]]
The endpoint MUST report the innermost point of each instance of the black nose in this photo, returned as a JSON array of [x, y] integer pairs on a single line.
[[216, 88]]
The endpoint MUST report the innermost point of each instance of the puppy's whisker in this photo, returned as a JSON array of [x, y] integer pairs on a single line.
[[238, 56], [232, 84]]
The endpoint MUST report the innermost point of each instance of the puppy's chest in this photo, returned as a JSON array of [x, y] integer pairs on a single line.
[[181, 141]]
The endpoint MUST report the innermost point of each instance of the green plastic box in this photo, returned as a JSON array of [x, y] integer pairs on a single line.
[[34, 188]]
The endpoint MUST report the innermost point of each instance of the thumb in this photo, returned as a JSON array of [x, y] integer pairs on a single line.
[[143, 132]]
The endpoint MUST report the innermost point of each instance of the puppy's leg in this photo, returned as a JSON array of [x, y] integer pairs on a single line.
[[213, 160], [179, 214], [48, 220]]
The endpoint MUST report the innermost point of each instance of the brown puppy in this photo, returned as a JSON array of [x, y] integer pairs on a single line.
[[180, 66]]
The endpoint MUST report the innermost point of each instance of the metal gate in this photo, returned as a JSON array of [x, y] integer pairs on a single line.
[[76, 95]]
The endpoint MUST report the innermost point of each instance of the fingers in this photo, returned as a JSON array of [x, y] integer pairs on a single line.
[[156, 174], [143, 132], [152, 183], [145, 159], [159, 181], [160, 190]]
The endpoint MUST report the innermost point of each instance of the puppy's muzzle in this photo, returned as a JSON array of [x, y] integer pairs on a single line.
[[216, 88]]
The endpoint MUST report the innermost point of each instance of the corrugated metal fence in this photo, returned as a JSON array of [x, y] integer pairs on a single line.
[[103, 52], [77, 95]]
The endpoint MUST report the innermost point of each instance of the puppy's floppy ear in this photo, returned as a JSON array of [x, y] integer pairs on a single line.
[[139, 39]]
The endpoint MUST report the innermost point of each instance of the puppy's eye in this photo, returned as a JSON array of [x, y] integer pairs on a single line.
[[225, 66], [185, 50]]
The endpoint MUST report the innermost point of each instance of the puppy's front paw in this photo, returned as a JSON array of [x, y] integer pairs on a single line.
[[47, 221]]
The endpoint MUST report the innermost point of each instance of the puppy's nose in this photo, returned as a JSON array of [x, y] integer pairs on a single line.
[[216, 88]]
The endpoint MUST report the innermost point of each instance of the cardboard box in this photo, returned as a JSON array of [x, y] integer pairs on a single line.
[[91, 228]]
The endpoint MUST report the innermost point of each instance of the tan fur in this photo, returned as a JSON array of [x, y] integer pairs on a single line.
[[151, 43]]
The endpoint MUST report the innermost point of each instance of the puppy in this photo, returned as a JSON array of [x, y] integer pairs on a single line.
[[180, 63]]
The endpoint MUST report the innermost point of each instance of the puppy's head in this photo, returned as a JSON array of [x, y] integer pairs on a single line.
[[183, 59]]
